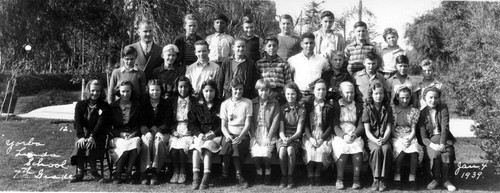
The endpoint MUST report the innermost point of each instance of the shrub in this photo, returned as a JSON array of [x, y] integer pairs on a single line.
[[34, 83]]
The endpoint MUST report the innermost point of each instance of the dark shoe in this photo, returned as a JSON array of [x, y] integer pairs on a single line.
[[267, 179], [317, 180], [223, 179], [356, 185], [77, 178], [96, 177], [117, 179], [129, 179], [283, 182], [339, 185], [258, 179], [381, 186], [154, 178], [397, 185], [241, 181], [290, 182], [311, 181], [413, 185], [144, 179], [375, 185], [204, 181], [196, 181]]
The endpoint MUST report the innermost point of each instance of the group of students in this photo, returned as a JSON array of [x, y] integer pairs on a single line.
[[296, 97]]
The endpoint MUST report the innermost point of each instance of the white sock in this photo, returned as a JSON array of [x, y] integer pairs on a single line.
[[259, 172], [397, 177], [411, 178], [268, 171]]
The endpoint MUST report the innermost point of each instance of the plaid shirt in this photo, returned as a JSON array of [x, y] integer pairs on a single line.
[[355, 54], [276, 71], [167, 78]]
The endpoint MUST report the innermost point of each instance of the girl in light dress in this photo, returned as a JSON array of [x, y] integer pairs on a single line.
[[181, 137], [318, 133], [291, 126], [125, 145], [266, 120], [347, 140], [205, 123], [404, 140], [236, 117]]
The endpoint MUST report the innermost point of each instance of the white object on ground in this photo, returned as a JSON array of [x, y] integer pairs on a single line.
[[61, 112]]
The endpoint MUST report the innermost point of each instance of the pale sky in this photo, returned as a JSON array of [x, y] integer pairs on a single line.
[[389, 13]]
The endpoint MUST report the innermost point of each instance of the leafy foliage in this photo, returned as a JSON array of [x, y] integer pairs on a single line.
[[464, 39]]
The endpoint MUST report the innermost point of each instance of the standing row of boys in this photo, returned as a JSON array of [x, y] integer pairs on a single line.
[[235, 97]]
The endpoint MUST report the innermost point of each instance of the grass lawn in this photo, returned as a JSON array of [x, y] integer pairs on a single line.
[[52, 138]]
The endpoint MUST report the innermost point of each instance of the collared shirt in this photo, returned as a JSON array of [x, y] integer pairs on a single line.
[[355, 54], [167, 77], [364, 82], [146, 47], [306, 70], [378, 119], [198, 73], [124, 69], [389, 59], [276, 71], [327, 42], [393, 84], [220, 45], [236, 113]]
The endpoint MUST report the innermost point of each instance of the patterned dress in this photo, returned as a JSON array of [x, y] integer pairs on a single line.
[[258, 149], [292, 116], [347, 120], [404, 118], [185, 139], [322, 153]]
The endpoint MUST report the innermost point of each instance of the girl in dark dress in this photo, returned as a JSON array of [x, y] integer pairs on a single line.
[[90, 130], [205, 123], [125, 145]]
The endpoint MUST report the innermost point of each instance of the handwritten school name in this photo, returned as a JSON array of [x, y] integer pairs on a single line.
[[27, 172], [470, 171], [12, 144]]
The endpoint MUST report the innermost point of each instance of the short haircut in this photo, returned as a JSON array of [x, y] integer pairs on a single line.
[[372, 56], [327, 14], [129, 50], [145, 22], [427, 63], [189, 17], [374, 85], [360, 24], [154, 82], [170, 48], [239, 40], [262, 84], [317, 81], [399, 90], [293, 85], [201, 43], [431, 89], [388, 31], [86, 92], [222, 17], [248, 19], [210, 83], [236, 82], [271, 38], [338, 53], [402, 59], [125, 83], [286, 16], [307, 35], [183, 79], [344, 84]]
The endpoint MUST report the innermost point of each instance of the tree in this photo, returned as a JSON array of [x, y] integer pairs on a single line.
[[311, 20], [351, 15]]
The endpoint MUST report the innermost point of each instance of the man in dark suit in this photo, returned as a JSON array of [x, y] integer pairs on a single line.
[[148, 52]]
